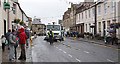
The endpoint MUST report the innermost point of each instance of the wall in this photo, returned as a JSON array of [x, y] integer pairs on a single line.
[[18, 13], [105, 17]]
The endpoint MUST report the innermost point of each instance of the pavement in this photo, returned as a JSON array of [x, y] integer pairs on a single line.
[[100, 42], [5, 55]]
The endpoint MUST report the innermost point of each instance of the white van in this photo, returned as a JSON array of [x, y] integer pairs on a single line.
[[56, 29]]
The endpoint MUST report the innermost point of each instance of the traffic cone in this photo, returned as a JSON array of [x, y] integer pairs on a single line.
[[74, 38], [31, 42]]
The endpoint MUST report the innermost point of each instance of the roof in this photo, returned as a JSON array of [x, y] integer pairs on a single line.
[[35, 21], [21, 9]]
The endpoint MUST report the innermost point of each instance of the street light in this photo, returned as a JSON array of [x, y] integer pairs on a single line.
[[7, 7]]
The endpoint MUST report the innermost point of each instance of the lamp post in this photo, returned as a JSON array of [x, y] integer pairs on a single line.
[[7, 7]]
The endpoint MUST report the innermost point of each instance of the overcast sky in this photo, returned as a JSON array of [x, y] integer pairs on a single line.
[[47, 10]]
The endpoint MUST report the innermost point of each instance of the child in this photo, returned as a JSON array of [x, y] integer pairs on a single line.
[[3, 40]]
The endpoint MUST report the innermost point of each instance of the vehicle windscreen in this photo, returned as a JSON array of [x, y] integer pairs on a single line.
[[53, 27]]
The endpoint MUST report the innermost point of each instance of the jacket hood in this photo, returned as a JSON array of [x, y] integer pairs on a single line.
[[21, 30]]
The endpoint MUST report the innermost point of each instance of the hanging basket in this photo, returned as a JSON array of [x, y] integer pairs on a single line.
[[16, 21]]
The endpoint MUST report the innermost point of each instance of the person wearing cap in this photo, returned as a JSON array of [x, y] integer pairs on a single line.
[[51, 36], [22, 42]]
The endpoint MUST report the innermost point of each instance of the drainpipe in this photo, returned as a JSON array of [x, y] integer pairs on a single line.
[[95, 28]]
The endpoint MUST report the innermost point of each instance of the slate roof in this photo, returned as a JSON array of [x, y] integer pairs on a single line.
[[36, 21]]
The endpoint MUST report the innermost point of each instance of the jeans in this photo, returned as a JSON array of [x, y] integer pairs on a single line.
[[27, 42], [23, 53], [11, 51]]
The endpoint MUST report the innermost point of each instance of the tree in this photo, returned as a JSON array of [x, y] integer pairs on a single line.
[[22, 23], [16, 21]]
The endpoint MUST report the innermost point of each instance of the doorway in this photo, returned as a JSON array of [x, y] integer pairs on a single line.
[[104, 29], [4, 27]]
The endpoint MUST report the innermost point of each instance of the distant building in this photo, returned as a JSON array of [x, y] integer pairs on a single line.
[[37, 27]]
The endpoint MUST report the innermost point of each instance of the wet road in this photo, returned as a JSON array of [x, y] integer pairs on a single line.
[[71, 51]]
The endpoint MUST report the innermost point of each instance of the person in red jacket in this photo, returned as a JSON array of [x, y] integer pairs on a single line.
[[22, 42]]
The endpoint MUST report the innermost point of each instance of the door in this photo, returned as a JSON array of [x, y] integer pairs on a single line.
[[104, 31], [4, 27]]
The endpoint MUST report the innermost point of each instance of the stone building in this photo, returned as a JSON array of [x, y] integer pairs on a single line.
[[66, 20], [38, 27], [107, 13], [85, 17]]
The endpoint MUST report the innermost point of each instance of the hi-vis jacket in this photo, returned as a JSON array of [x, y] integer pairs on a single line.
[[50, 34]]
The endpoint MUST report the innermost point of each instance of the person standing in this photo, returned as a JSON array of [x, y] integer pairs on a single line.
[[12, 40], [22, 42], [27, 32], [7, 37], [108, 38], [3, 40], [16, 42], [51, 36]]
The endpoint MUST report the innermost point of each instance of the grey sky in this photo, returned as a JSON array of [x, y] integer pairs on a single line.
[[47, 10]]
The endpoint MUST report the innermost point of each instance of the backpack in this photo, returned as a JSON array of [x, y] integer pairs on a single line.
[[27, 33]]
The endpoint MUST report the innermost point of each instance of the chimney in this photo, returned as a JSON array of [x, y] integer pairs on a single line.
[[15, 0], [88, 0]]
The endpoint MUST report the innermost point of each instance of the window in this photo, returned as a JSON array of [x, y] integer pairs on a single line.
[[99, 24], [14, 8], [35, 25], [113, 5], [99, 9], [105, 7], [79, 17], [86, 27], [89, 13], [93, 11], [0, 2], [108, 23], [86, 14], [82, 15]]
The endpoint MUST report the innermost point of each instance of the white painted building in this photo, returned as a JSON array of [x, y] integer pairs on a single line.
[[85, 17], [107, 13], [15, 12]]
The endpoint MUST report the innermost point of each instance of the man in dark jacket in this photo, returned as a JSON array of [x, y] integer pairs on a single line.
[[7, 35], [22, 42]]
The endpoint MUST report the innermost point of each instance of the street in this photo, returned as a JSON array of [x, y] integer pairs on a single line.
[[71, 51]]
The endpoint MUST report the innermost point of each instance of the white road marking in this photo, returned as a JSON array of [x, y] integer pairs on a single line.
[[64, 52], [60, 49], [78, 60], [86, 52], [69, 55], [77, 49], [110, 60]]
